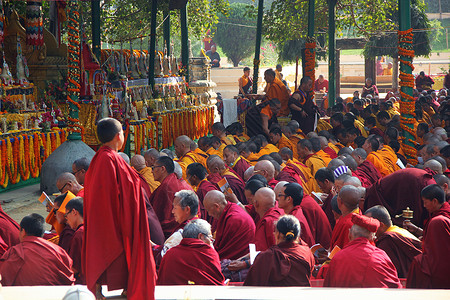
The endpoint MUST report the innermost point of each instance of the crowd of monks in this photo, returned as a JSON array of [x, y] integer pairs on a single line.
[[340, 203]]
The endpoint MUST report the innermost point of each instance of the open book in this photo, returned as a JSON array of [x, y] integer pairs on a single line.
[[319, 251], [45, 200], [224, 185]]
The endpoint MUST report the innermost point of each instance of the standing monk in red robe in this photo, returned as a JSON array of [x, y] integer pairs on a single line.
[[398, 243], [289, 197], [9, 229], [288, 263], [366, 171], [348, 201], [360, 264], [235, 228], [35, 261], [430, 269], [264, 202], [194, 260], [235, 161], [116, 249], [74, 216], [162, 198]]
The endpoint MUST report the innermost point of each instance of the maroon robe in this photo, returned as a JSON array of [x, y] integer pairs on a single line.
[[330, 152], [398, 191], [400, 249], [191, 261], [443, 211], [367, 173], [9, 229], [36, 261], [235, 230], [264, 234], [65, 237], [339, 236], [250, 208], [75, 253], [162, 202], [3, 247], [317, 221], [203, 188], [240, 167], [285, 264], [430, 270], [361, 265], [237, 185], [116, 247], [305, 232], [327, 209], [272, 183]]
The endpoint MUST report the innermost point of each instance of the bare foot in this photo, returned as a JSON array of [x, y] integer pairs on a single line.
[[98, 292]]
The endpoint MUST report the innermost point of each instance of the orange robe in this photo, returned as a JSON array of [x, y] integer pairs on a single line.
[[228, 140], [325, 156], [200, 156], [377, 160], [269, 148], [212, 151], [390, 158], [308, 182], [252, 159], [314, 162], [278, 90], [285, 142], [148, 176]]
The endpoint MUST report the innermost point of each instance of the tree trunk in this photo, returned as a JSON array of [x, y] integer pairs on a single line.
[[395, 74]]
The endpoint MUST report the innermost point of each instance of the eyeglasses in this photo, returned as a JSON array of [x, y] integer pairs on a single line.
[[210, 237], [61, 189], [67, 213], [154, 167]]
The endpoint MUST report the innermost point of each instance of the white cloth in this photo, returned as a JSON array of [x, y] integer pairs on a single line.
[[229, 111]]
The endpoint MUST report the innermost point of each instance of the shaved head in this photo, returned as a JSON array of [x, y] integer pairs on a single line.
[[266, 168], [215, 203], [335, 163], [323, 141], [434, 165], [350, 196], [263, 200], [248, 173], [185, 140], [125, 157], [138, 162], [354, 181], [312, 134], [215, 163], [280, 185], [65, 178]]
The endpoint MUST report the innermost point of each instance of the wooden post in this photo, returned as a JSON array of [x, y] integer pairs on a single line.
[[331, 53], [395, 73], [338, 72], [257, 46]]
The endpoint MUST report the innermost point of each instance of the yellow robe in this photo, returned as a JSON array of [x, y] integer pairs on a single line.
[[390, 158], [148, 176], [377, 160], [325, 156], [285, 142], [315, 162]]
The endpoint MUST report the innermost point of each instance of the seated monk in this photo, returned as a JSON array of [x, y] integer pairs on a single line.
[[288, 263], [316, 144], [360, 264], [35, 261], [430, 269], [308, 157], [235, 228], [74, 217], [280, 140], [162, 198], [67, 182], [194, 260], [199, 154], [204, 143], [347, 200], [295, 126], [79, 169], [218, 130], [299, 171], [398, 191], [185, 208], [237, 132], [249, 151], [366, 171], [138, 163], [235, 161], [400, 245], [9, 229], [266, 147], [317, 221], [219, 170], [217, 144], [329, 148], [266, 169], [290, 133], [325, 179], [182, 145], [196, 177], [371, 146], [265, 205], [59, 209], [289, 197], [276, 89]]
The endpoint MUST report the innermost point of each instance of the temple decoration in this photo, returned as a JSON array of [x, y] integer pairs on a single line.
[[34, 23], [310, 61]]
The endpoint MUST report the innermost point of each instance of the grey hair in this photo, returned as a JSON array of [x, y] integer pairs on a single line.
[[178, 170], [194, 227], [188, 199], [358, 231]]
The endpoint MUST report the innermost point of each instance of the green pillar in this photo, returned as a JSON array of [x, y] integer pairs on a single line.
[[166, 31], [331, 53], [404, 12], [151, 64], [257, 46], [184, 41], [95, 11]]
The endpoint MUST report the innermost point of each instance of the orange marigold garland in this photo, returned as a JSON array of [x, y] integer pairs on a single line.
[[407, 105], [310, 60]]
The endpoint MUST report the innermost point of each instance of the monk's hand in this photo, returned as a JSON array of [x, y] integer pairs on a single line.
[[417, 231], [237, 265], [322, 255], [230, 196]]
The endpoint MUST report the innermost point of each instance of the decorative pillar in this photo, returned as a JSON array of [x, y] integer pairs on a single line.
[[73, 70], [407, 103], [166, 31], [331, 52], [257, 46], [310, 51], [151, 63], [184, 41], [95, 11]]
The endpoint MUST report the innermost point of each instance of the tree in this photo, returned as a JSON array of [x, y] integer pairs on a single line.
[[236, 33]]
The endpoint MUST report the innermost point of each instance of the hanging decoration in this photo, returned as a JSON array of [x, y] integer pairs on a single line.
[[34, 23], [310, 61], [2, 24], [407, 105]]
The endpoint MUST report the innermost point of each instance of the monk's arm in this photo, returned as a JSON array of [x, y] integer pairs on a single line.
[[416, 230], [240, 80], [265, 123], [231, 197]]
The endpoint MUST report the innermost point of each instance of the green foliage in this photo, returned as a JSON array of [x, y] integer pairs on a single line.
[[236, 33]]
